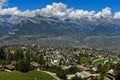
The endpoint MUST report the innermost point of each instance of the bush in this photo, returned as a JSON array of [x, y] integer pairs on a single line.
[[77, 78], [72, 70], [61, 74], [22, 66]]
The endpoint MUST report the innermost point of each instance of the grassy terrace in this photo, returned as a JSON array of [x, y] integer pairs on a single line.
[[32, 75]]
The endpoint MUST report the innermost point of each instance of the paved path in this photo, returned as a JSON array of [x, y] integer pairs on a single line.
[[52, 74]]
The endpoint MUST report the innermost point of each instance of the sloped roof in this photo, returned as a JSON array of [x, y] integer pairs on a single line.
[[35, 64], [9, 66]]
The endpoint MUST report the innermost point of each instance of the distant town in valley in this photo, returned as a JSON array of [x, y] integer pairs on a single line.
[[65, 63]]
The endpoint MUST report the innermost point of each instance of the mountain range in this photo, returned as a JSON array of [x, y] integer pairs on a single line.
[[100, 33]]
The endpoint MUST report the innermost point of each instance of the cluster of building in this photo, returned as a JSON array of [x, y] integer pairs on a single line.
[[68, 57]]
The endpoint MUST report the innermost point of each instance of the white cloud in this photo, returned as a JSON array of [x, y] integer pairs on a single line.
[[117, 15], [13, 10], [106, 12], [59, 10], [17, 12], [81, 13], [98, 15], [56, 9]]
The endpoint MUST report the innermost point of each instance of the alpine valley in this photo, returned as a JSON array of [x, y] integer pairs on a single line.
[[99, 33]]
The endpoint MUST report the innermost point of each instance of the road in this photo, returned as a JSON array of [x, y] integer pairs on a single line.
[[52, 74]]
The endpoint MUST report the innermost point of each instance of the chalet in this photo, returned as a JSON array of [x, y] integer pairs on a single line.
[[9, 67], [90, 78], [88, 75], [1, 66], [83, 68], [83, 74], [66, 67], [69, 77], [34, 64], [94, 69], [110, 75]]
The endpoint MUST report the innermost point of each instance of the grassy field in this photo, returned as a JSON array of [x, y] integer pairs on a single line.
[[32, 75]]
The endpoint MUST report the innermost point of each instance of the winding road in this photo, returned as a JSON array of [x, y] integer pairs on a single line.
[[52, 74]]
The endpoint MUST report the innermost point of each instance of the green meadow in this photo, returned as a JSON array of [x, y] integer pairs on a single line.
[[32, 75]]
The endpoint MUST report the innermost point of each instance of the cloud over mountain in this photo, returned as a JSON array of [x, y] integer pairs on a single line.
[[61, 10], [117, 15], [17, 12], [58, 10]]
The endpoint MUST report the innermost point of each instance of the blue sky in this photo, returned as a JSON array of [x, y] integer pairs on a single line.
[[50, 8], [89, 5]]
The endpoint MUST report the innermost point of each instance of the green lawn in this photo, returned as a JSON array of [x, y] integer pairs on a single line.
[[99, 62], [32, 75]]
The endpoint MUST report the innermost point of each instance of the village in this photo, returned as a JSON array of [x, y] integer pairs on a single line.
[[66, 63]]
